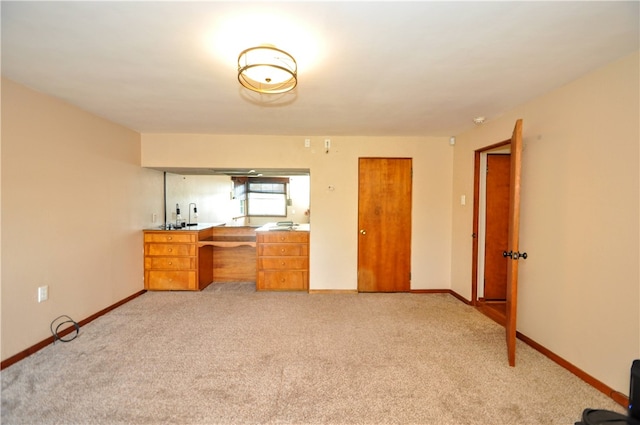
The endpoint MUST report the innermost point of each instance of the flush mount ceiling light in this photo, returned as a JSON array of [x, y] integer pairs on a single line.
[[267, 69], [479, 120]]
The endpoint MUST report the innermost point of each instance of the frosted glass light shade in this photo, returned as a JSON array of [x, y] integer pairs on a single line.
[[266, 69]]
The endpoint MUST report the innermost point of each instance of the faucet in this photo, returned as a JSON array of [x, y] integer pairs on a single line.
[[195, 215]]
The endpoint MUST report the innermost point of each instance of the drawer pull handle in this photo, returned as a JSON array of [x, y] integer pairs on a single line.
[[170, 263], [170, 249], [282, 250], [283, 280], [283, 263], [170, 237]]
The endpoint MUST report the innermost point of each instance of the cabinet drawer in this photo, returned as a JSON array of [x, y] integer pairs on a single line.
[[172, 263], [285, 280], [170, 249], [170, 280], [170, 237], [283, 263], [283, 250], [284, 236]]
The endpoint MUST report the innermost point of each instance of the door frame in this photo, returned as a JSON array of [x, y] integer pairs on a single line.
[[476, 214]]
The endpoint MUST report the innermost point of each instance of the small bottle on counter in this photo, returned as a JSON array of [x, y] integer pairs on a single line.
[[178, 216]]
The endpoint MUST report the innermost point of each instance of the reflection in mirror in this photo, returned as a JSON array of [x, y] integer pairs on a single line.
[[216, 201]]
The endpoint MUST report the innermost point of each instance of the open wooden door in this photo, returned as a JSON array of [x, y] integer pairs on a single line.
[[512, 252]]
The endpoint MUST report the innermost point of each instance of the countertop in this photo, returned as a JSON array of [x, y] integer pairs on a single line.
[[270, 227], [304, 227], [197, 228]]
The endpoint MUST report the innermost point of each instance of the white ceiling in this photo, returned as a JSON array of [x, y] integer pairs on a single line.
[[365, 68]]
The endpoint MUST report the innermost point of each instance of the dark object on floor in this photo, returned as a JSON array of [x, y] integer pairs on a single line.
[[601, 417], [634, 391]]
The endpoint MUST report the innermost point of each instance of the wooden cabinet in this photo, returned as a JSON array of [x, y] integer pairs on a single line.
[[171, 260], [283, 260]]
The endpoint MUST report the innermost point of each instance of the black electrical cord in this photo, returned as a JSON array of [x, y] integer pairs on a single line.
[[56, 337]]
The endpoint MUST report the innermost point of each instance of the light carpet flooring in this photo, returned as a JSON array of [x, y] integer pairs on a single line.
[[230, 355]]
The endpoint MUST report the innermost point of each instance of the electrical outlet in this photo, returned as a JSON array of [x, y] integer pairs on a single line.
[[307, 143], [154, 217], [43, 293]]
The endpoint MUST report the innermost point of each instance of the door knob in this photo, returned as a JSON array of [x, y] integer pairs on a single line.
[[514, 255], [364, 232]]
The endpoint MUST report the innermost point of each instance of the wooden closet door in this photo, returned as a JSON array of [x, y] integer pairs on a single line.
[[384, 224]]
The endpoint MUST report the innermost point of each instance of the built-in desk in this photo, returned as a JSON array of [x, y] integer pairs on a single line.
[[232, 250]]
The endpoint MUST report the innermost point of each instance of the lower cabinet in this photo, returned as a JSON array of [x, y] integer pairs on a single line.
[[170, 280], [283, 260], [171, 260]]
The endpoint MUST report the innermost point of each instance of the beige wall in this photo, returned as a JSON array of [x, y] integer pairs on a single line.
[[74, 199], [580, 287], [334, 213]]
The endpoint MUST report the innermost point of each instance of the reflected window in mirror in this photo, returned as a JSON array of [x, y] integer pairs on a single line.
[[261, 196]]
